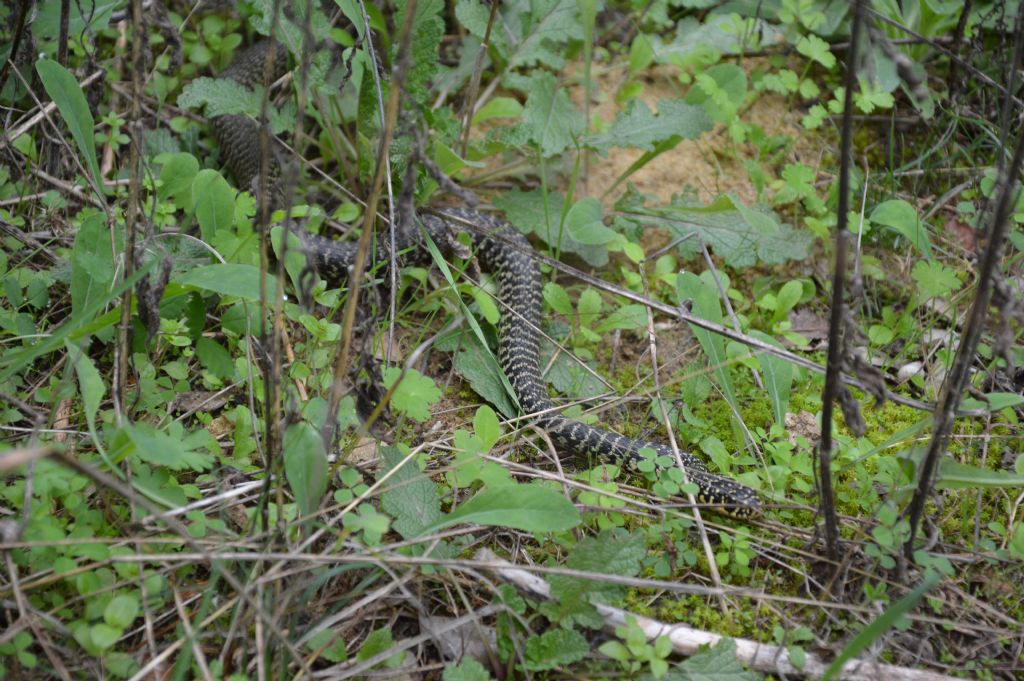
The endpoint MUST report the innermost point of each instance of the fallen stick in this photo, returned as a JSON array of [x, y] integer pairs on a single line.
[[687, 641]]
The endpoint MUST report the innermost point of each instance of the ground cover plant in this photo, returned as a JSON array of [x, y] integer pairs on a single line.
[[750, 219]]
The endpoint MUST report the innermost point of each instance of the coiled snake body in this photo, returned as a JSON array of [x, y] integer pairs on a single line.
[[506, 253]]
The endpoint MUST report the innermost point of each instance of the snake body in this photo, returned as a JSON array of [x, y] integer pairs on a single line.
[[506, 253]]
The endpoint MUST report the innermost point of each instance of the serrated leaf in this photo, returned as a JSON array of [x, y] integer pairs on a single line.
[[717, 662], [529, 508], [221, 97], [740, 235], [553, 120], [558, 299], [66, 93], [477, 365], [638, 127], [934, 280], [160, 448], [549, 25], [555, 648], [632, 316], [467, 669], [305, 465], [410, 497], [415, 395], [426, 32]]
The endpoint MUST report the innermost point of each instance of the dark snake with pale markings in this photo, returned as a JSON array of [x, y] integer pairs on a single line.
[[506, 253]]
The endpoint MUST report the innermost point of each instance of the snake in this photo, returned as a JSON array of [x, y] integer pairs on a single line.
[[506, 254]]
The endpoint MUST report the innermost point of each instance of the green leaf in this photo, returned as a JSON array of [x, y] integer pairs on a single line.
[[498, 107], [558, 299], [718, 662], [585, 223], [103, 635], [176, 176], [934, 280], [477, 365], [878, 626], [222, 97], [228, 279], [638, 127], [214, 202], [215, 358], [410, 497], [92, 263], [159, 448], [486, 426], [901, 217], [778, 377], [370, 522], [66, 93], [552, 119], [415, 395], [540, 213], [549, 25], [816, 49], [305, 465], [90, 383], [121, 611], [704, 295], [426, 32], [555, 648], [742, 236], [467, 669], [632, 316], [529, 508], [333, 645], [993, 402], [720, 90], [955, 475]]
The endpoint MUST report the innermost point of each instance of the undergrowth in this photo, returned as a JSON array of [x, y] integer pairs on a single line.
[[181, 499]]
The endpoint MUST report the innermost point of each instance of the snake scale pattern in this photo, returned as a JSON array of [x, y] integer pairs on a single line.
[[506, 253]]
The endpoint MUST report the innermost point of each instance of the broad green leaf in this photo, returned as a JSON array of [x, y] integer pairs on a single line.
[[540, 213], [631, 316], [121, 611], [549, 25], [477, 365], [993, 401], [498, 107], [409, 497], [486, 426], [555, 648], [213, 200], [901, 217], [553, 120], [415, 395], [467, 669], [558, 299], [159, 448], [529, 508], [103, 635], [742, 236], [305, 465], [585, 223], [92, 264], [638, 127], [176, 177], [228, 279], [66, 93], [717, 662]]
